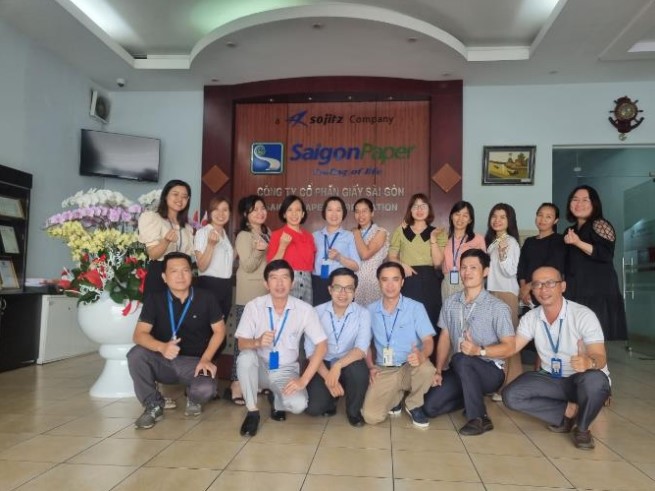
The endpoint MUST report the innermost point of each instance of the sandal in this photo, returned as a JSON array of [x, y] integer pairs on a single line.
[[237, 401]]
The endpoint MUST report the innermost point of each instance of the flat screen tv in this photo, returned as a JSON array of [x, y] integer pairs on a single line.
[[122, 156]]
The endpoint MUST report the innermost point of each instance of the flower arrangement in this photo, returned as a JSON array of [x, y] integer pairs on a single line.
[[100, 230]]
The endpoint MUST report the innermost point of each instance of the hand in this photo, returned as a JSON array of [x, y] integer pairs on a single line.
[[171, 349], [334, 255], [285, 239], [260, 244], [571, 237], [372, 373], [337, 390], [415, 358], [581, 362], [293, 386], [213, 237], [171, 236], [332, 379], [468, 347], [435, 234], [409, 271], [438, 380], [205, 367], [524, 294], [266, 339]]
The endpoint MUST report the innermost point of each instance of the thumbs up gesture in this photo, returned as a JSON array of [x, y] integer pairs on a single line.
[[415, 358], [581, 362], [467, 346]]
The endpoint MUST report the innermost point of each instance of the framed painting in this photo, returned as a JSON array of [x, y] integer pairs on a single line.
[[508, 165]]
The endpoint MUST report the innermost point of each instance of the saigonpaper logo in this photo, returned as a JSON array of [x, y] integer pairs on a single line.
[[267, 158]]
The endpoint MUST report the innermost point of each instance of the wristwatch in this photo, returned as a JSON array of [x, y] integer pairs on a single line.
[[593, 363], [483, 352]]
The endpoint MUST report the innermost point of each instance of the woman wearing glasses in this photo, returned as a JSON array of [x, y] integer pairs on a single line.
[[590, 276], [416, 246]]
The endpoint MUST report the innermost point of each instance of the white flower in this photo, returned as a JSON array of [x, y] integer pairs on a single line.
[[150, 200]]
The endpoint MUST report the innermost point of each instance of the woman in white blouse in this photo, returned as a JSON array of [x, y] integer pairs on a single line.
[[502, 239], [166, 230], [214, 254]]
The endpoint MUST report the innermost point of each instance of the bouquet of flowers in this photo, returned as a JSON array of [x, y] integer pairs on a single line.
[[100, 230]]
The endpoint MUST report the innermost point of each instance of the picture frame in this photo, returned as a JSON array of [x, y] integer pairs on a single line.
[[8, 277], [508, 164]]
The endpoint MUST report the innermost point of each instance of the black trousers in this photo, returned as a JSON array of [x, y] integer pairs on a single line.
[[320, 292], [221, 288], [354, 379], [464, 385]]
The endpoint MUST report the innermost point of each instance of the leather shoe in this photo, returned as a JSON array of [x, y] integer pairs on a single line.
[[250, 424], [476, 426], [564, 427], [583, 439], [330, 412], [356, 421], [275, 415]]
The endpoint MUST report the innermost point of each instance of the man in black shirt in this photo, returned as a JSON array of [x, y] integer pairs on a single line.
[[177, 336]]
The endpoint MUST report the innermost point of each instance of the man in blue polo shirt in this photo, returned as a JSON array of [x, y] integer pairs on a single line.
[[477, 327], [343, 372], [403, 342]]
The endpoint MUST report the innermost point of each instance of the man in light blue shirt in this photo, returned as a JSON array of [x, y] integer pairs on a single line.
[[403, 342], [343, 372]]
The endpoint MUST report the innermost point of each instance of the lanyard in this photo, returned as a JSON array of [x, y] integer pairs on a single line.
[[555, 347], [175, 327], [365, 233], [334, 329], [456, 253], [465, 318], [328, 246], [388, 333], [272, 324], [178, 245]]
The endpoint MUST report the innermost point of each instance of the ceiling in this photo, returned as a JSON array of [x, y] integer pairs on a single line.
[[187, 44]]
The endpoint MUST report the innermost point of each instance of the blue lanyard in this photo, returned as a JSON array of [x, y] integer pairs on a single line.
[[456, 253], [175, 327], [388, 333], [364, 234], [334, 329], [272, 324], [328, 246], [555, 347]]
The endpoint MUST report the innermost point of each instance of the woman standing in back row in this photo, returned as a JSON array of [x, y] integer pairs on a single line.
[[590, 276]]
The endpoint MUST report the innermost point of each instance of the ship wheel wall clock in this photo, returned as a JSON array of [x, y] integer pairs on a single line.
[[625, 116]]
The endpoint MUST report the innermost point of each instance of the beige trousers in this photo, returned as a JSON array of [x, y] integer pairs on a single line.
[[390, 385], [513, 367]]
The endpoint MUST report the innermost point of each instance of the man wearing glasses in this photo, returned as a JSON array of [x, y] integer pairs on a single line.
[[573, 383], [343, 371]]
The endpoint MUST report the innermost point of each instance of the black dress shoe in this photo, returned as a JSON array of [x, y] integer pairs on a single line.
[[275, 415], [356, 421], [564, 427], [583, 440], [476, 426], [330, 412], [250, 424]]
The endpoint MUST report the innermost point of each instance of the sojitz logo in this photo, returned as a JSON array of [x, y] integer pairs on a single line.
[[267, 158]]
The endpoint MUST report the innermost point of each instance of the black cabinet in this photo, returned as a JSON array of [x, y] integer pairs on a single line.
[[20, 320]]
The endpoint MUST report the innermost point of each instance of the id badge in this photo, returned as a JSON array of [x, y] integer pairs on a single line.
[[274, 360], [325, 270], [454, 277], [556, 367], [387, 357]]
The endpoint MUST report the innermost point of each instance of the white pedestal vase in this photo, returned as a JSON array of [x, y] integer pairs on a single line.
[[103, 322]]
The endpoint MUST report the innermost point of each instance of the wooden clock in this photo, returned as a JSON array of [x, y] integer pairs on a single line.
[[625, 116]]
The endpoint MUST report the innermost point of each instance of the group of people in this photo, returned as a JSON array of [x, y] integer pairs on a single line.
[[359, 313]]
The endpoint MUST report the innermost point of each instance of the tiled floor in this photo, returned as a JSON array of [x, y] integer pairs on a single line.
[[53, 436]]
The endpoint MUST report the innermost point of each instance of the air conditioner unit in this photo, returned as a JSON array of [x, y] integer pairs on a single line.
[[99, 107]]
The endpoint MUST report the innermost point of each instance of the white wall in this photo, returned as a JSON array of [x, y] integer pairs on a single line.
[[545, 116]]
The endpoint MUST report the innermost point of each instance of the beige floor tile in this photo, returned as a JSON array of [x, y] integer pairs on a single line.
[[496, 443], [13, 474], [45, 448], [444, 466], [271, 432], [214, 431], [526, 471], [604, 475], [166, 429], [648, 469], [365, 437], [125, 408], [121, 451], [426, 485], [257, 481], [31, 423], [634, 450], [323, 483], [92, 426], [74, 477], [439, 423], [556, 445], [371, 462], [10, 439], [509, 487], [266, 457], [428, 441], [168, 480], [298, 419], [197, 455]]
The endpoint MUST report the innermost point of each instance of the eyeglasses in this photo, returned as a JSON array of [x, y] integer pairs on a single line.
[[340, 289], [422, 206], [550, 284]]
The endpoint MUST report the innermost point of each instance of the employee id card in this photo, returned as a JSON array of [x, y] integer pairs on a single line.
[[325, 269], [454, 277], [556, 367], [274, 360], [387, 356]]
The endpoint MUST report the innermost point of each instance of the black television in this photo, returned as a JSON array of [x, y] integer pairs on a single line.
[[122, 156]]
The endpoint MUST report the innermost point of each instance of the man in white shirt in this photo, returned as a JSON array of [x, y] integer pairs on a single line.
[[343, 372], [269, 335], [573, 384]]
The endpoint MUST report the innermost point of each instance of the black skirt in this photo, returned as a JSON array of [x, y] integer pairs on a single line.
[[221, 289], [425, 287]]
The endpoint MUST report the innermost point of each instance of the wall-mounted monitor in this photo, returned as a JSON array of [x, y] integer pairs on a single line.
[[122, 156]]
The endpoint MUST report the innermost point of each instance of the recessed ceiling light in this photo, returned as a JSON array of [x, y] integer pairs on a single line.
[[231, 44], [215, 80], [553, 72], [318, 25], [271, 99], [412, 40], [446, 74], [309, 99], [350, 98]]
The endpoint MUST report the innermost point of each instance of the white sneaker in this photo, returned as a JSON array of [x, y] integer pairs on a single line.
[[192, 409], [496, 397], [169, 403]]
